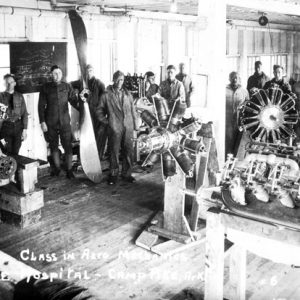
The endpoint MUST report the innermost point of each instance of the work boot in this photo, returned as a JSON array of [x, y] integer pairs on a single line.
[[55, 172], [129, 179], [112, 180], [70, 174]]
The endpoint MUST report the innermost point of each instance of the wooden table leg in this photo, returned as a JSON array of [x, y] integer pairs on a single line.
[[237, 272], [214, 257]]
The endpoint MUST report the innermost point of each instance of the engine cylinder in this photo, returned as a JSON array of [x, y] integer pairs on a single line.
[[153, 158], [162, 109], [191, 128], [184, 162], [169, 165], [178, 112], [193, 146], [148, 118]]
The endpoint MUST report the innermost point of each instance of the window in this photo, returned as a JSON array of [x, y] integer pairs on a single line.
[[232, 64], [268, 61], [149, 48], [250, 64]]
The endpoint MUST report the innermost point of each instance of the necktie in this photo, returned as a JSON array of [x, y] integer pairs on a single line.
[[11, 101]]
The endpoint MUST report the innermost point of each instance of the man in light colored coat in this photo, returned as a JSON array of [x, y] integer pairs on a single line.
[[116, 110]]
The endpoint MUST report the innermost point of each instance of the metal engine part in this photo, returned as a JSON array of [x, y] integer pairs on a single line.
[[265, 175], [270, 169], [269, 116], [8, 167], [3, 113], [168, 139]]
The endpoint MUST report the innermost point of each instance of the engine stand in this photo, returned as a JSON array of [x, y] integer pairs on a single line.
[[174, 229]]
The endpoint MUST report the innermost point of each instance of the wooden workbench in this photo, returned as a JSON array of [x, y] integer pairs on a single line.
[[279, 244]]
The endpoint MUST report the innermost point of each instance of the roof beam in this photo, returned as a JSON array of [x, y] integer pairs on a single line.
[[45, 7], [253, 25], [34, 4], [278, 6]]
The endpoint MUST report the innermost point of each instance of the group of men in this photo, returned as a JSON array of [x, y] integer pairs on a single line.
[[112, 112], [236, 95]]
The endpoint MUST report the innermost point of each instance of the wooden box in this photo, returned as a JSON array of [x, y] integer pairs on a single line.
[[20, 209], [18, 203], [22, 221]]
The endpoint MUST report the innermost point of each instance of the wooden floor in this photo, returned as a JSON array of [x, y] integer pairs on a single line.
[[81, 217]]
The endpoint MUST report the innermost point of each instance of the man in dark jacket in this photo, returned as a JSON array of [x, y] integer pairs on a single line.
[[187, 83], [279, 80], [258, 79], [172, 89], [151, 87], [117, 110], [13, 129], [55, 118], [96, 88]]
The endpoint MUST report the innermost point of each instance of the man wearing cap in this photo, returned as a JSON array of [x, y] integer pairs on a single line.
[[55, 118], [13, 129], [258, 79], [187, 83], [151, 87], [172, 89], [116, 109]]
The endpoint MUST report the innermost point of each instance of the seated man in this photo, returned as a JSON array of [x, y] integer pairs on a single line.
[[13, 129], [55, 118]]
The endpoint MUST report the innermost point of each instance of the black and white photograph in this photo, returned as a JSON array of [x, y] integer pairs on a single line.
[[149, 149]]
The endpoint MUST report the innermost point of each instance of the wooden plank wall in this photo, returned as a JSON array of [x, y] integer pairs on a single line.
[[114, 43], [259, 42]]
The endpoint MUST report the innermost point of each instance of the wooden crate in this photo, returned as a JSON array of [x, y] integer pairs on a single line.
[[22, 221], [18, 203], [20, 209]]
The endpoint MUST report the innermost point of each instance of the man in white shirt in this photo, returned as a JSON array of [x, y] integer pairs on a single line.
[[235, 96]]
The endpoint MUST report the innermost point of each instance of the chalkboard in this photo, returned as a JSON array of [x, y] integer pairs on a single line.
[[31, 63]]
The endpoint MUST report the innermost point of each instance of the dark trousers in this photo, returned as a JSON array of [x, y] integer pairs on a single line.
[[232, 140], [52, 137], [101, 134], [120, 143], [11, 132]]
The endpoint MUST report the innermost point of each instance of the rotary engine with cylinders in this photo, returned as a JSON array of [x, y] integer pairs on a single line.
[[270, 170], [169, 140], [184, 147]]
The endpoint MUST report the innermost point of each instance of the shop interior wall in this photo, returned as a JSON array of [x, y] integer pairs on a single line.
[[274, 46], [114, 43]]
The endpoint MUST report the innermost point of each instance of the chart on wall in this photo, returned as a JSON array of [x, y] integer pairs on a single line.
[[31, 62]]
